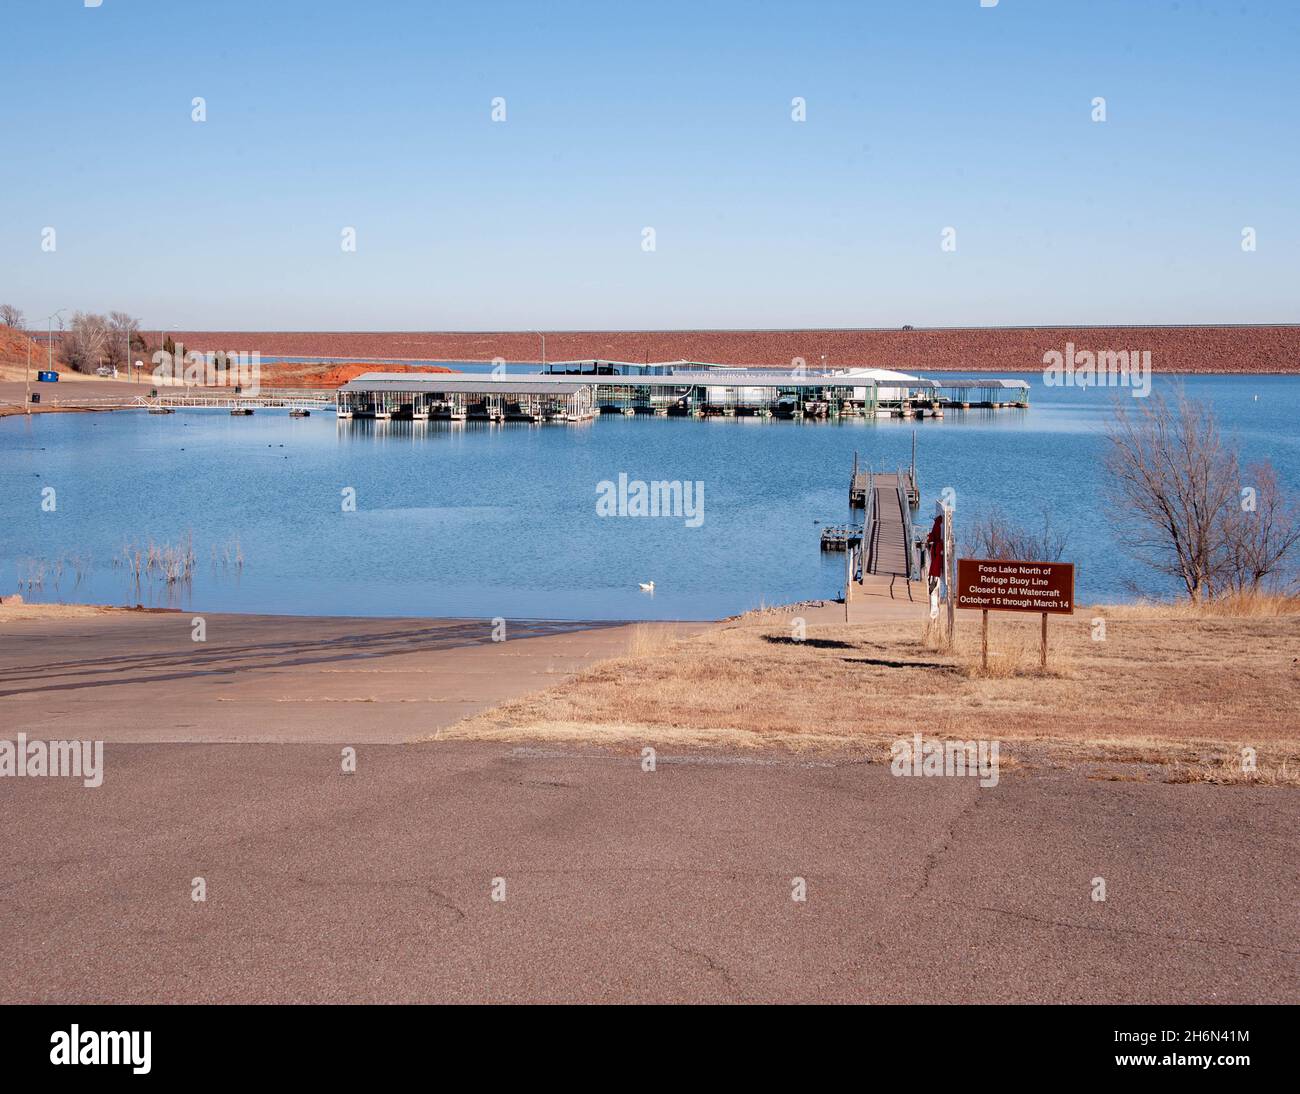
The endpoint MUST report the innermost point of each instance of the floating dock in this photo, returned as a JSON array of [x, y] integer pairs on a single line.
[[840, 537], [460, 397], [884, 557], [293, 399], [577, 391], [863, 481]]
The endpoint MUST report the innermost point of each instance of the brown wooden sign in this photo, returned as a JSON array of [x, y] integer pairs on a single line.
[[996, 585]]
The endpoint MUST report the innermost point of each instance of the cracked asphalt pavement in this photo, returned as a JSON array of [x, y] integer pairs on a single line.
[[625, 885]]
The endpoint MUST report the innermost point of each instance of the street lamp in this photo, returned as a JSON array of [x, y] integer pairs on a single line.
[[49, 335], [49, 342], [543, 338]]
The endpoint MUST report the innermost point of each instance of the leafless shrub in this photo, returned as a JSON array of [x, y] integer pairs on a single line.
[[84, 346], [1175, 485], [996, 535], [122, 334], [1261, 537]]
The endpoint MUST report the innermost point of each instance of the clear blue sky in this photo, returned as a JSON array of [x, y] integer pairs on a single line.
[[921, 114]]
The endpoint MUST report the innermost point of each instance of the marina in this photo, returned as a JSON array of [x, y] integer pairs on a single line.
[[579, 390]]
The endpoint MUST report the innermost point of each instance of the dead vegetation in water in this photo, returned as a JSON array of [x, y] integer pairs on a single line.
[[172, 564], [58, 573]]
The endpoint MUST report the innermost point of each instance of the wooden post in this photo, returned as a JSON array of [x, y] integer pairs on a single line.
[[1042, 659], [848, 578], [984, 640], [949, 572]]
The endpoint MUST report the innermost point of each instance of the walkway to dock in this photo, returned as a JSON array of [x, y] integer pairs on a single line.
[[887, 551], [880, 573]]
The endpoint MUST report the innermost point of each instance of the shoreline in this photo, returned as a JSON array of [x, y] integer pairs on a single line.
[[96, 395], [142, 677], [729, 687], [31, 609], [827, 609]]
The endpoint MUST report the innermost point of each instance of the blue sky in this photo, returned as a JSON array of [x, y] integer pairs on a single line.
[[676, 116]]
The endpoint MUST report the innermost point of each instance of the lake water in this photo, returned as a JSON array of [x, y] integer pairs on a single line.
[[478, 520]]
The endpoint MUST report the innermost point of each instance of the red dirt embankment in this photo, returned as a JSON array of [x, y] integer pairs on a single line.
[[14, 346], [289, 374], [974, 349]]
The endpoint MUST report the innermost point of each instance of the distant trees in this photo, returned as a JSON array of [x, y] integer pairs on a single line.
[[123, 333], [995, 535], [85, 344], [11, 316], [1182, 505], [93, 340]]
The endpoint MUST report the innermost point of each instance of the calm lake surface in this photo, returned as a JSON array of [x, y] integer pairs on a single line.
[[479, 520]]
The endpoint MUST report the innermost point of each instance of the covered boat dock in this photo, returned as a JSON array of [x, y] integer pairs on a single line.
[[578, 390], [458, 397]]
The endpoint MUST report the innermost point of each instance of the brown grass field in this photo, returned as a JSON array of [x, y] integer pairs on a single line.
[[1169, 693]]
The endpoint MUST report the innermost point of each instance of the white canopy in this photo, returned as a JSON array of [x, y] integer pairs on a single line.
[[881, 375]]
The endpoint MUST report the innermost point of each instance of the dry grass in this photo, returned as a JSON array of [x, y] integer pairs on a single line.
[[1169, 690], [651, 640], [1228, 607], [1013, 651]]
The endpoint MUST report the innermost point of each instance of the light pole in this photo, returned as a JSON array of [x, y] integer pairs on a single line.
[[49, 342], [543, 338], [49, 335]]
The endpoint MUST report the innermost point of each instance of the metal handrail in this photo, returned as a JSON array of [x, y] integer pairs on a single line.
[[909, 537], [868, 522]]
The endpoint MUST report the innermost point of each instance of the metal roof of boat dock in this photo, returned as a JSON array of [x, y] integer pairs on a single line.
[[568, 382], [524, 383], [982, 381]]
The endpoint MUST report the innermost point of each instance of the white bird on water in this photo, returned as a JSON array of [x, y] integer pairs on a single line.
[[647, 586]]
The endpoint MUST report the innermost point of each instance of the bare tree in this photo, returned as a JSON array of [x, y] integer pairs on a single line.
[[1173, 487], [996, 535], [1262, 535], [84, 346], [11, 316], [122, 334]]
